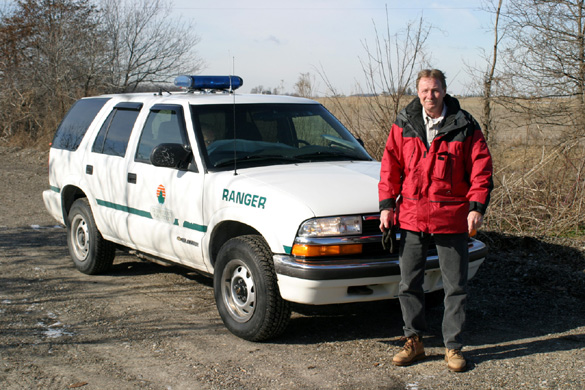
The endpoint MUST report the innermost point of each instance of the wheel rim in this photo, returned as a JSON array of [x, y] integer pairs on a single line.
[[238, 290], [80, 237]]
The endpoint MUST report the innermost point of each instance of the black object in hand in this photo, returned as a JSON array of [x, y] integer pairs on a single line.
[[389, 239]]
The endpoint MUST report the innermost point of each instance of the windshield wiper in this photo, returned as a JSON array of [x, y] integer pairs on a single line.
[[327, 155], [258, 158]]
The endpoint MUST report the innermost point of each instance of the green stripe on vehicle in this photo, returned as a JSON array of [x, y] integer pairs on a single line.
[[127, 209], [146, 214], [56, 189], [194, 226]]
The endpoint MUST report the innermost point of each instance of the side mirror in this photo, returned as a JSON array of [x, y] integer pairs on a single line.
[[170, 156]]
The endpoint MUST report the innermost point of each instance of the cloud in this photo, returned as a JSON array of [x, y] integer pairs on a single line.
[[271, 39]]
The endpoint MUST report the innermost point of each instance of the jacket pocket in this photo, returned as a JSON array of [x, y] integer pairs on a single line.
[[441, 166]]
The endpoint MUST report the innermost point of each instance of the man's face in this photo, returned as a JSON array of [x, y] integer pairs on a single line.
[[431, 94]]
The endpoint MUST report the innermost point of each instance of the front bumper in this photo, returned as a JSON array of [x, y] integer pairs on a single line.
[[345, 281]]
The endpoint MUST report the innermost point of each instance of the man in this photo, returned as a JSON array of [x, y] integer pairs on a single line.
[[435, 181]]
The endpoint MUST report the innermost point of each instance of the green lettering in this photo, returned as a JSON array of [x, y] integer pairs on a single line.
[[244, 198]]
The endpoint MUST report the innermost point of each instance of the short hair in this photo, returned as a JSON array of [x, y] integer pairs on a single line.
[[432, 73]]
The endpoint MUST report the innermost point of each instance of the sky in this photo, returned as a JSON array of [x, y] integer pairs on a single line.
[[270, 43]]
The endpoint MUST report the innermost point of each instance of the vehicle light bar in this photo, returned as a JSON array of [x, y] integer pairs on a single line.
[[198, 83]]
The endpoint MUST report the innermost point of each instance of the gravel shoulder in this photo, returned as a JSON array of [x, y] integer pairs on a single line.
[[145, 326]]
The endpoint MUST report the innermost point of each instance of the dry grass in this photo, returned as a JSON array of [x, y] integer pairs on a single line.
[[539, 161], [539, 165]]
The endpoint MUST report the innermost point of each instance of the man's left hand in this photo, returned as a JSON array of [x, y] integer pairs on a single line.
[[474, 221]]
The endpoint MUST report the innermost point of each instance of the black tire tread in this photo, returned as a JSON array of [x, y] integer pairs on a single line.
[[104, 251], [278, 310]]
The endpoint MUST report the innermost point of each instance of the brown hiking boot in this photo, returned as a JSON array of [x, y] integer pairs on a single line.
[[412, 351], [455, 360]]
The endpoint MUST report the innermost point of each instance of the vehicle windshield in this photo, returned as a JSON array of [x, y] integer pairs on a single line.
[[267, 134]]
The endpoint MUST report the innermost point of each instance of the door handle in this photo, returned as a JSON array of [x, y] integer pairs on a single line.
[[89, 169], [132, 178]]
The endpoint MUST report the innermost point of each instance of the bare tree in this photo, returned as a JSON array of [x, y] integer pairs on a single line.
[[305, 85], [52, 52], [392, 63], [147, 45], [544, 61], [488, 80], [540, 86], [390, 67], [47, 50]]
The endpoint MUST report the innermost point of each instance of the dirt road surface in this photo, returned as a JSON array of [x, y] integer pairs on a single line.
[[144, 326]]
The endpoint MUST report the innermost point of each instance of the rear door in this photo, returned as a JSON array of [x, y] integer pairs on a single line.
[[105, 171]]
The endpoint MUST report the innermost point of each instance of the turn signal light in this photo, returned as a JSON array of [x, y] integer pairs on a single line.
[[325, 250]]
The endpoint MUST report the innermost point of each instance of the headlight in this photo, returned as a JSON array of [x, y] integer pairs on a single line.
[[333, 226]]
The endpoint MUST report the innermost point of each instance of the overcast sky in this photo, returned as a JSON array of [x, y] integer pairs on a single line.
[[271, 42]]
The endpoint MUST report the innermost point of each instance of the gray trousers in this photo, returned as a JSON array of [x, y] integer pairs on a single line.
[[454, 262]]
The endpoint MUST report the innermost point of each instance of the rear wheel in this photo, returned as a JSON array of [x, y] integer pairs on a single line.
[[246, 290], [91, 253]]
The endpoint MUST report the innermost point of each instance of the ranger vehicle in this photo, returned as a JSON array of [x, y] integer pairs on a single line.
[[271, 195]]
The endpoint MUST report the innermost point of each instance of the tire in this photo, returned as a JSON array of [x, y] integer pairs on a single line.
[[91, 254], [246, 290]]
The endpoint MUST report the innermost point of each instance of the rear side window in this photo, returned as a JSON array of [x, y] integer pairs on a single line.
[[114, 134], [75, 124]]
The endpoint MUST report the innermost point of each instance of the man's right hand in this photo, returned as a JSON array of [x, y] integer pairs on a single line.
[[386, 219]]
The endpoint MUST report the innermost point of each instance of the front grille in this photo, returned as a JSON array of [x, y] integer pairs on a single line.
[[371, 227], [371, 224]]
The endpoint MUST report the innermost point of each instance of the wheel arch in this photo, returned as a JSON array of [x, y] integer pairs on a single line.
[[225, 231], [69, 194]]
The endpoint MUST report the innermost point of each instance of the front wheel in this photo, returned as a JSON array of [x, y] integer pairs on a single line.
[[246, 290], [91, 253]]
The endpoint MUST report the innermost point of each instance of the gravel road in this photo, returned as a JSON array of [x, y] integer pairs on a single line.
[[145, 326]]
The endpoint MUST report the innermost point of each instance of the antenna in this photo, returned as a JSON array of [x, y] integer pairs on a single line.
[[234, 113]]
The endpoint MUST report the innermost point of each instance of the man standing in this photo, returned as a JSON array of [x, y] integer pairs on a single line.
[[435, 181]]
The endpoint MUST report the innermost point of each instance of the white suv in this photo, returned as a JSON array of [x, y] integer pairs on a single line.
[[269, 194]]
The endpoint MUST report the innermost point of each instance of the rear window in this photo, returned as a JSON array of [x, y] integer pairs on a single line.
[[115, 132], [75, 124]]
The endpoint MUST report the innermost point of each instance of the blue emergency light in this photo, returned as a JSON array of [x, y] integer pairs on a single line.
[[199, 83]]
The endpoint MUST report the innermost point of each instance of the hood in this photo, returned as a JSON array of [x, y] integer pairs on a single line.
[[327, 188]]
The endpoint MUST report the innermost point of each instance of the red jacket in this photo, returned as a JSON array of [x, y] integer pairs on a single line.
[[433, 189]]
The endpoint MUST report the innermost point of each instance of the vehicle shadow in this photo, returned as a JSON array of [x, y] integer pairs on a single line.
[[528, 297], [526, 289]]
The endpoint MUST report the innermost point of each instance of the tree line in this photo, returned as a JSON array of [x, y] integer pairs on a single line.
[[53, 52]]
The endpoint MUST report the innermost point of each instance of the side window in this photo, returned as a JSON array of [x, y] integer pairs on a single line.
[[113, 136], [165, 125], [75, 124]]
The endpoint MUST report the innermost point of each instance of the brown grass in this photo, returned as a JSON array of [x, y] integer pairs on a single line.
[[539, 165]]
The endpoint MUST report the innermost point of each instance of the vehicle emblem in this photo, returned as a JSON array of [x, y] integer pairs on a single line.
[[161, 194]]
